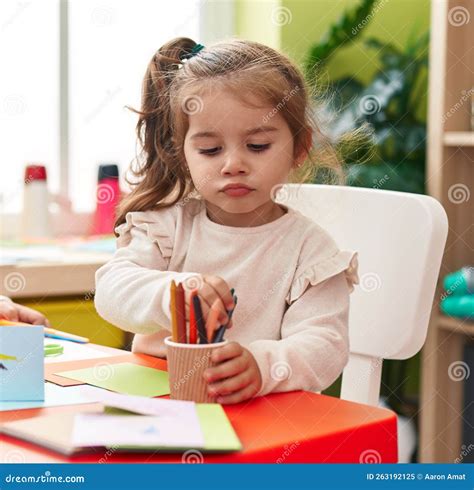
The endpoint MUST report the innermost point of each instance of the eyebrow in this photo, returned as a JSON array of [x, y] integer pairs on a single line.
[[249, 132]]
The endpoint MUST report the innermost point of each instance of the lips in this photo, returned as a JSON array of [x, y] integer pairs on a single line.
[[236, 186], [237, 190]]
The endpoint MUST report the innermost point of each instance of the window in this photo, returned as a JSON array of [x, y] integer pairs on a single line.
[[29, 94], [110, 45]]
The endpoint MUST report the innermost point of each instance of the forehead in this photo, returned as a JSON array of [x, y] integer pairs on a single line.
[[223, 110]]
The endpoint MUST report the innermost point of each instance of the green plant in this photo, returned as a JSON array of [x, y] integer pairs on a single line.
[[388, 103], [349, 26]]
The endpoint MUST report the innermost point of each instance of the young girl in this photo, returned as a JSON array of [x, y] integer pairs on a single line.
[[222, 128]]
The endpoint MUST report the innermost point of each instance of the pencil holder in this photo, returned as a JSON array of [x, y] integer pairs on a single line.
[[186, 366]]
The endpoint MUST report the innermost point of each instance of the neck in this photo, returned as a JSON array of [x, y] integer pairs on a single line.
[[262, 215]]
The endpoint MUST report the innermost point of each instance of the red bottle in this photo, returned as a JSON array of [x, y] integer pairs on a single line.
[[107, 199]]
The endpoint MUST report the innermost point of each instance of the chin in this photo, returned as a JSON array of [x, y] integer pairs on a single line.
[[240, 208]]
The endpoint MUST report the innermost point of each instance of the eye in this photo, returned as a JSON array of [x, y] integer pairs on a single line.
[[209, 151], [259, 148]]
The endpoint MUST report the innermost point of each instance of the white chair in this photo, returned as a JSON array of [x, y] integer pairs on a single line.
[[400, 238]]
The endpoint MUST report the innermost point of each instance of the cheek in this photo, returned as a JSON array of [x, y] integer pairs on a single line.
[[285, 149]]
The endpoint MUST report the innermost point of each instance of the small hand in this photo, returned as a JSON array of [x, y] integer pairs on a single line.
[[236, 377], [212, 289], [18, 313]]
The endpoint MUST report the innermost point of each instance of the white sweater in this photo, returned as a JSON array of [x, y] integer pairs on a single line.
[[291, 280]]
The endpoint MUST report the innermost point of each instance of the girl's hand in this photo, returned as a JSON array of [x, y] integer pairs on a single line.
[[210, 289], [19, 313], [236, 377]]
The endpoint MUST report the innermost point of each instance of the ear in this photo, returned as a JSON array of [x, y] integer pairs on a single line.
[[302, 153]]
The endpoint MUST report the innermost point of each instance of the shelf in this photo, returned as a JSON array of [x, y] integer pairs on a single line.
[[459, 138], [458, 325]]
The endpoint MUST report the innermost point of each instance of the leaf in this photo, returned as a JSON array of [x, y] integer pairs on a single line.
[[347, 28]]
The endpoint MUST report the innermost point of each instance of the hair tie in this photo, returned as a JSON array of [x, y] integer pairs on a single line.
[[194, 51]]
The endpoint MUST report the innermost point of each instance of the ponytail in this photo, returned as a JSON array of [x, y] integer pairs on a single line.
[[161, 172]]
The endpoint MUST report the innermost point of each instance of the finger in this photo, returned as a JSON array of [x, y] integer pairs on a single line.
[[212, 319], [239, 396], [34, 317], [219, 311], [229, 351], [226, 369], [231, 385], [208, 295], [222, 289], [8, 311]]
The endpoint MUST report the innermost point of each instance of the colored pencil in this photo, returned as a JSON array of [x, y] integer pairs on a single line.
[[192, 319], [199, 320], [181, 314], [174, 319]]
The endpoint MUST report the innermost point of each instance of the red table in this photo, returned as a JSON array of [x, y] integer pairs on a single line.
[[295, 427]]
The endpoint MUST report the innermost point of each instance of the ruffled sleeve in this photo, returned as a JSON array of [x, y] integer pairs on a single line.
[[342, 261], [133, 287], [158, 226]]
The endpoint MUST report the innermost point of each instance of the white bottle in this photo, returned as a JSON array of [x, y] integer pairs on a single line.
[[36, 222]]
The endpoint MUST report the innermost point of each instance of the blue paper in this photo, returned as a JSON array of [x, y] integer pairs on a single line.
[[21, 363]]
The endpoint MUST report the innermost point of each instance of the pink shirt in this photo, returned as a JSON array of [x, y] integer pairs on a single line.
[[292, 283]]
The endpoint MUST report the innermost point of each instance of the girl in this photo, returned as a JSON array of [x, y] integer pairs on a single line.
[[222, 128]]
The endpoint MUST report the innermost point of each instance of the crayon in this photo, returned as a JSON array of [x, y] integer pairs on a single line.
[[193, 319], [199, 320], [174, 319], [181, 314], [219, 337]]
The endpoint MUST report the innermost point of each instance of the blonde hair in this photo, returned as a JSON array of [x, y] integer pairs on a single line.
[[169, 91]]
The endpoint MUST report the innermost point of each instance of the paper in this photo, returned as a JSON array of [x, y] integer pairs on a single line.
[[141, 404], [136, 430], [54, 396], [74, 352], [127, 378], [55, 431], [21, 363], [218, 432]]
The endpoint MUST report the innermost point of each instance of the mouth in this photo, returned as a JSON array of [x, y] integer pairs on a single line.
[[237, 190]]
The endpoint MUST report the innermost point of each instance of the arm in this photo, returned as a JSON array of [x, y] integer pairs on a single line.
[[314, 347], [132, 289]]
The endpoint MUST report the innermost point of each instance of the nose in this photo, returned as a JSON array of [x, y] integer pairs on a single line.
[[234, 164]]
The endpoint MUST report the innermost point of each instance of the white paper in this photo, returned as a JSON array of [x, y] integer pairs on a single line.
[[53, 396], [135, 430], [143, 405], [74, 351]]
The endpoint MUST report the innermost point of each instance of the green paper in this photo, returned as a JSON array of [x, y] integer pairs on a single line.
[[216, 428], [127, 378]]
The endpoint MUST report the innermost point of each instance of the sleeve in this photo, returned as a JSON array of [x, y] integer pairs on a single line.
[[314, 344], [132, 289], [341, 261]]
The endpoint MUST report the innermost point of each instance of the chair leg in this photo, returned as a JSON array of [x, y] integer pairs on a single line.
[[361, 379]]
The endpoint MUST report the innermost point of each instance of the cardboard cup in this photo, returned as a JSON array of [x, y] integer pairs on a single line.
[[186, 366]]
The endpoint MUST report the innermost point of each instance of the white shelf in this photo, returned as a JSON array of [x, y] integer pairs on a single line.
[[459, 138]]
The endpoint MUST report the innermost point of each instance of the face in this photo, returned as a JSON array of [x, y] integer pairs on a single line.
[[231, 144]]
